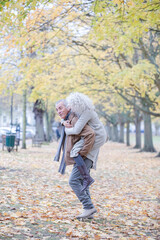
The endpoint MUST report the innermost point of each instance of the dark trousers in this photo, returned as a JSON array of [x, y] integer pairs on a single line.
[[75, 181]]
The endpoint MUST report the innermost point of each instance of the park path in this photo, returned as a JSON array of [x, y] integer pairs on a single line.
[[37, 203]]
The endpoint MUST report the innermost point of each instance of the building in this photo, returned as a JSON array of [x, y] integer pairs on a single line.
[[11, 112]]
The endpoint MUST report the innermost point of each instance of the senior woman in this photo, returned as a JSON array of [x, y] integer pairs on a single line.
[[83, 107]]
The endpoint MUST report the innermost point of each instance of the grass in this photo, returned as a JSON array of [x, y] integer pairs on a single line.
[[156, 141]]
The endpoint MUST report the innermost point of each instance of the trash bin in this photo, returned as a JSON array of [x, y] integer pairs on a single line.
[[10, 141]]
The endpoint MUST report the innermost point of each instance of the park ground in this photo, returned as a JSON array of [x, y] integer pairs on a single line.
[[36, 202]]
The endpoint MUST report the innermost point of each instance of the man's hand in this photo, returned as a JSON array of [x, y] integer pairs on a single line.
[[67, 124]]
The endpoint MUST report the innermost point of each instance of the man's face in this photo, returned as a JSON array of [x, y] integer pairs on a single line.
[[62, 110]]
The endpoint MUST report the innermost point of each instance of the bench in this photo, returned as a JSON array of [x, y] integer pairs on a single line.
[[36, 142]]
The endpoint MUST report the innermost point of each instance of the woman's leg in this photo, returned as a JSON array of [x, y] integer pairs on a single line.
[[81, 166]]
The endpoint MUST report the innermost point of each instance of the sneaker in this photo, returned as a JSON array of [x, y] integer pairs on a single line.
[[91, 216], [87, 213]]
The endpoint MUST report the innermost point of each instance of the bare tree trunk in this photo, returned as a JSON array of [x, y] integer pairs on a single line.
[[39, 112], [49, 119], [115, 133], [109, 130], [138, 119], [11, 124], [128, 134], [148, 140], [24, 119], [121, 135], [111, 133], [158, 155], [47, 126], [157, 127]]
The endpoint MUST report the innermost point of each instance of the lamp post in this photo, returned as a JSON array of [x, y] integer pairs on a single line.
[[11, 113]]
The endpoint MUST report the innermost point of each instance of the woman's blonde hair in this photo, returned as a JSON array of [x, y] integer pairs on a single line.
[[79, 102]]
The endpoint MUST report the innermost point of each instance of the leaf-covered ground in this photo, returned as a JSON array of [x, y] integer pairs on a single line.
[[36, 202]]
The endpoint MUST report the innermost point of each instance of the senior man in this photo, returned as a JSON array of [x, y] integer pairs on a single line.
[[84, 143]]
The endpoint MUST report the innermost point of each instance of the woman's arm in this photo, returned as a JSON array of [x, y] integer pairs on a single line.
[[79, 125]]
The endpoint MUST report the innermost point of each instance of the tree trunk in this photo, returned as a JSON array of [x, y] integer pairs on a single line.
[[115, 133], [49, 119], [128, 134], [47, 126], [121, 136], [11, 124], [157, 126], [158, 155], [24, 119], [148, 140], [39, 112], [138, 119], [109, 131]]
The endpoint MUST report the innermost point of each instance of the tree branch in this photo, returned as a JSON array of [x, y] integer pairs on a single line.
[[137, 106]]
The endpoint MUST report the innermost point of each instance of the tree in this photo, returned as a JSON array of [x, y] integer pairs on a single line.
[[102, 51], [39, 113], [134, 78], [24, 119]]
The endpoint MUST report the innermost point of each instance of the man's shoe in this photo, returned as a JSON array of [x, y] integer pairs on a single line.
[[91, 216], [87, 213]]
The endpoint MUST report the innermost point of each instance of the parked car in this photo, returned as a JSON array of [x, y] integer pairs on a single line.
[[5, 130], [29, 134]]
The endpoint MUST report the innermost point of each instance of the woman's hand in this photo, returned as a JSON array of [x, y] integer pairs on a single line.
[[67, 124]]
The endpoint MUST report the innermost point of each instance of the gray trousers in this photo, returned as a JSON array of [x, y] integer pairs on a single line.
[[75, 181]]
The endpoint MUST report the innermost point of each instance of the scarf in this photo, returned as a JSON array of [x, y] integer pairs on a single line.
[[62, 142]]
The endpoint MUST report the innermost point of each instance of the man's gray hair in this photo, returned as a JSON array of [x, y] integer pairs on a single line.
[[63, 101]]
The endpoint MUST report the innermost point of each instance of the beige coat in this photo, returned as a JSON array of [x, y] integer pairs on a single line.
[[88, 135]]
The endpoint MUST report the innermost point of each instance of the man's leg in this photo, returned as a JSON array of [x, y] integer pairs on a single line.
[[75, 181]]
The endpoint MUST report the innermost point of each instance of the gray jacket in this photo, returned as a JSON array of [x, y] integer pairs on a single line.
[[90, 117]]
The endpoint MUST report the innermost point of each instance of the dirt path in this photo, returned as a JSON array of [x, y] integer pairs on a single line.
[[37, 203]]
